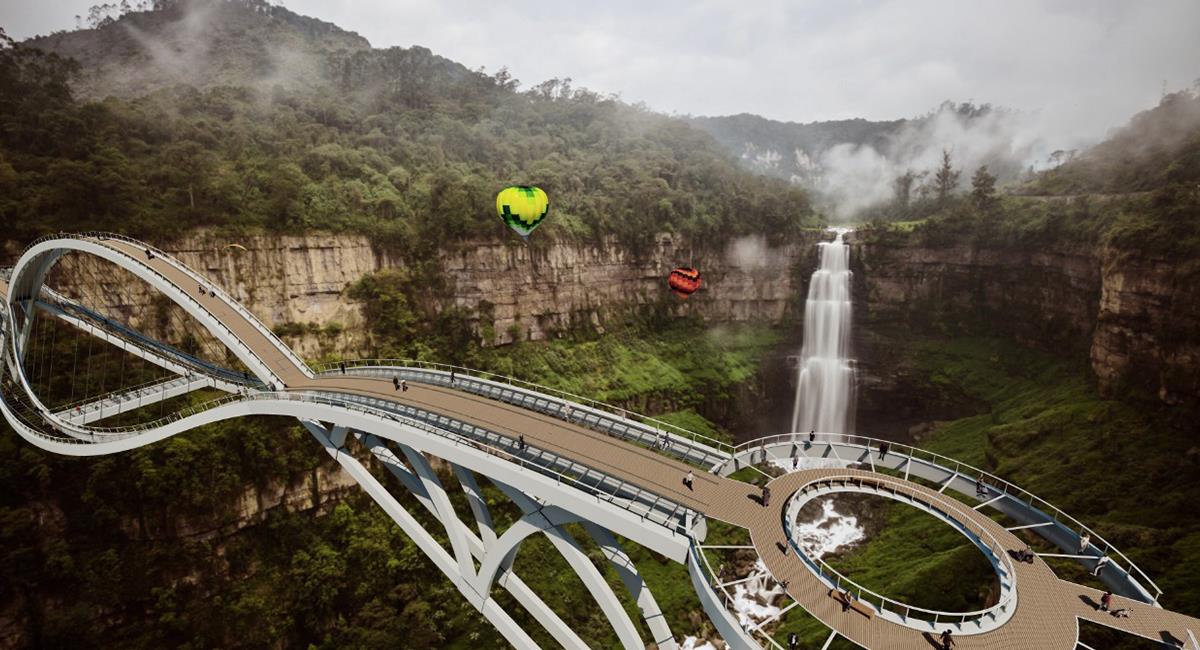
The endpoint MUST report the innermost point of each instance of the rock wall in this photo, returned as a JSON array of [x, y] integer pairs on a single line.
[[1148, 327], [1135, 320], [297, 284]]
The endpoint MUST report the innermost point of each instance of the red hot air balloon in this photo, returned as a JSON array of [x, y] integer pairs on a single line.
[[684, 281]]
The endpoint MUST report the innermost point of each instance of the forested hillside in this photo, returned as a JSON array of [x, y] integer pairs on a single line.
[[1139, 191], [243, 117], [789, 150], [398, 143]]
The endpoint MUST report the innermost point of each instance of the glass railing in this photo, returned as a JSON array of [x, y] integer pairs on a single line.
[[712, 449], [99, 237], [959, 468], [883, 604]]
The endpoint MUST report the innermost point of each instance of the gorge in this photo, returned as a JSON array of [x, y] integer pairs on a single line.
[[1043, 325]]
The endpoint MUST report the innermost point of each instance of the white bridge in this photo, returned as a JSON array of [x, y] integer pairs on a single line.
[[564, 459]]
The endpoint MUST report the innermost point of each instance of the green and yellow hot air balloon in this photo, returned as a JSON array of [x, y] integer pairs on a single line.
[[523, 208]]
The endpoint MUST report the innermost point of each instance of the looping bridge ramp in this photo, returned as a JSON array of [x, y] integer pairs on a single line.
[[562, 460]]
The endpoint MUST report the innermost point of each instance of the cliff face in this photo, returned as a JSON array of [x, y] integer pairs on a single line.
[[1135, 320], [297, 284], [1148, 327], [538, 291]]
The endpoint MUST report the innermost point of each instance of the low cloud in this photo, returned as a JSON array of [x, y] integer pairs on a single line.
[[851, 177]]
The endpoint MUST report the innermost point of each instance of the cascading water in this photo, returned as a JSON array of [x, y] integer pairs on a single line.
[[825, 376]]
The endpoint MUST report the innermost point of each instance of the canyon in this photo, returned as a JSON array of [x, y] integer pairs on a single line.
[[1132, 319]]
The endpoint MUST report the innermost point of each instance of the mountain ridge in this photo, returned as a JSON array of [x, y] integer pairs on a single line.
[[202, 43]]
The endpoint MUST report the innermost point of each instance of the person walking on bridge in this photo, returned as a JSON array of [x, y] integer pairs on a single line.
[[812, 437], [883, 449], [1085, 541], [1105, 601], [395, 383], [947, 640], [689, 480]]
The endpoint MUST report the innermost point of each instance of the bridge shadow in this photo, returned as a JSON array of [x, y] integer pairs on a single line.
[[1171, 640], [932, 640], [1087, 600]]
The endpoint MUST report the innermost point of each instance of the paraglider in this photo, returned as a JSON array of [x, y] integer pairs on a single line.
[[523, 208], [684, 281], [235, 247]]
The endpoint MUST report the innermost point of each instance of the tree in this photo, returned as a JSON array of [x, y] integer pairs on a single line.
[[903, 187], [946, 180], [983, 190]]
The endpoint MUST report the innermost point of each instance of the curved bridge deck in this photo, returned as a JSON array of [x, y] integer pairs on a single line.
[[1046, 610]]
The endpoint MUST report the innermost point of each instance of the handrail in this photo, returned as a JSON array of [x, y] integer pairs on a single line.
[[997, 482], [199, 279], [648, 499], [671, 521], [621, 412], [114, 397], [996, 548], [692, 452], [141, 341], [332, 367], [707, 573], [88, 236]]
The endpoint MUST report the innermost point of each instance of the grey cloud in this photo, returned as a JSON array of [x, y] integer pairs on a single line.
[[1085, 65]]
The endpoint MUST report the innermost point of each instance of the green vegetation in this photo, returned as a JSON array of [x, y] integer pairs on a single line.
[[1137, 191], [150, 548], [649, 362], [921, 561], [1048, 431], [402, 145]]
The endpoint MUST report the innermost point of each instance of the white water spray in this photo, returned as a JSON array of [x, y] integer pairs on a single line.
[[825, 376]]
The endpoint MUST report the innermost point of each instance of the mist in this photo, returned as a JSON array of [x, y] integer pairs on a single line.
[[850, 177]]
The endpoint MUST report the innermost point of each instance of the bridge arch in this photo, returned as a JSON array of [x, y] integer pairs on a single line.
[[618, 498]]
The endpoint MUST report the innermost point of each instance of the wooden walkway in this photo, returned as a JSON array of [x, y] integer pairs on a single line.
[[1047, 608]]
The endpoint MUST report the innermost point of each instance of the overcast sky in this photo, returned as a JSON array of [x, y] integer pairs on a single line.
[[1091, 64]]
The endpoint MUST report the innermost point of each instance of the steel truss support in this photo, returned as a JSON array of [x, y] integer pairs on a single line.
[[637, 587], [490, 609], [496, 553], [509, 580], [594, 581]]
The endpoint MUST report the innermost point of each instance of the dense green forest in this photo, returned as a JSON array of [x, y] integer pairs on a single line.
[[399, 144], [149, 549], [408, 148]]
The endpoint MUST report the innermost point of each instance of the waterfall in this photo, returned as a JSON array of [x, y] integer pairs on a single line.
[[825, 376]]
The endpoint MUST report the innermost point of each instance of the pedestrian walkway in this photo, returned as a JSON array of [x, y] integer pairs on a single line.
[[1047, 608]]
